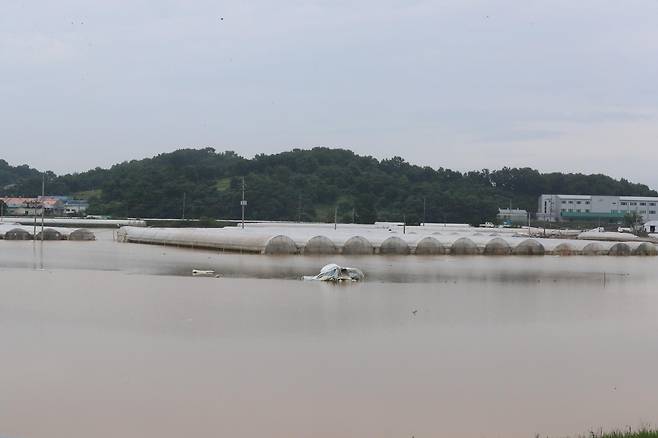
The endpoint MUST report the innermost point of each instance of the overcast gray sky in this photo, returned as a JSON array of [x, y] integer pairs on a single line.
[[558, 85]]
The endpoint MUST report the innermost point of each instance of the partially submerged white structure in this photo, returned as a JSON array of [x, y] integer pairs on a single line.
[[23, 232], [73, 222], [335, 273], [364, 240], [226, 239]]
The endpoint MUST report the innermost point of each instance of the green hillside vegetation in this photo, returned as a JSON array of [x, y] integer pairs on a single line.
[[10, 176], [643, 432], [306, 184]]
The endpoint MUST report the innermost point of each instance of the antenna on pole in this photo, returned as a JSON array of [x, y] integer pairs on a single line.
[[243, 203]]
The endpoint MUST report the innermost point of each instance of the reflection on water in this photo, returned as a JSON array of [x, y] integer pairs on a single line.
[[106, 254], [441, 346]]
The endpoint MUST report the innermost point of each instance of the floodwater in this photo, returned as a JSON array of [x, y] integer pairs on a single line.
[[101, 339]]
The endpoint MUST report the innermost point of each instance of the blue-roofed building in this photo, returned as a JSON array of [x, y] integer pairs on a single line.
[[71, 207], [75, 207]]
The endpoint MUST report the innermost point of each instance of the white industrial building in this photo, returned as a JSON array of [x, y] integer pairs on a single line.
[[651, 227], [593, 208]]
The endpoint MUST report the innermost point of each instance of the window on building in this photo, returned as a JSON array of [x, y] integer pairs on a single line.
[[587, 210], [578, 202], [570, 202], [652, 211], [624, 203], [586, 202], [653, 204], [633, 203], [643, 203]]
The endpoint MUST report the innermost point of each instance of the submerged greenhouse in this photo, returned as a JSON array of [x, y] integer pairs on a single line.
[[361, 240]]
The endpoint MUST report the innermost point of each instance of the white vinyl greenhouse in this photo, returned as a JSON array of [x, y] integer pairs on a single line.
[[361, 240], [25, 232]]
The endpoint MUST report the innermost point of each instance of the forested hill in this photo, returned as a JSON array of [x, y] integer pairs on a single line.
[[13, 178], [307, 184]]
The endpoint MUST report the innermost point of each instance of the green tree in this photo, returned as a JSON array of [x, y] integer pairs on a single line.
[[633, 220]]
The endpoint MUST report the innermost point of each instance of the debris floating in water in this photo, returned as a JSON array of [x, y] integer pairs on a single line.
[[335, 273], [201, 273]]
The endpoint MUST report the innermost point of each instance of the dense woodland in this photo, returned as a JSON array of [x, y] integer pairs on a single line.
[[305, 185]]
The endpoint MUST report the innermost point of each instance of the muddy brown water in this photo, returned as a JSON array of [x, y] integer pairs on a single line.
[[105, 340]]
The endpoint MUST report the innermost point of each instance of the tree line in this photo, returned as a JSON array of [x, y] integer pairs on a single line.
[[306, 185]]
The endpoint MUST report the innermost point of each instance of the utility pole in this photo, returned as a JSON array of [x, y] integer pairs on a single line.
[[336, 217], [529, 233], [184, 199], [299, 209], [424, 211], [34, 213], [43, 199], [404, 224], [353, 215], [243, 203], [33, 203]]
